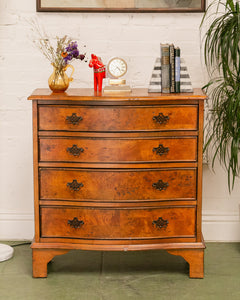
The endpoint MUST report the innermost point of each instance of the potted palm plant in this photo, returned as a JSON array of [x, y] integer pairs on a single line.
[[222, 59]]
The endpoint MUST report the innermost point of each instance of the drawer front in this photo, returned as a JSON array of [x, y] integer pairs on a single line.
[[120, 185], [109, 223], [75, 118], [118, 150]]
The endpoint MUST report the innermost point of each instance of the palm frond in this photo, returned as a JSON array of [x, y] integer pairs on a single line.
[[222, 59]]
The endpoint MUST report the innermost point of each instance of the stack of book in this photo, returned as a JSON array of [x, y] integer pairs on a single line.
[[170, 65]]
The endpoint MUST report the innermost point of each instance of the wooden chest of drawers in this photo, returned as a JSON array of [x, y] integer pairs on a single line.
[[120, 172]]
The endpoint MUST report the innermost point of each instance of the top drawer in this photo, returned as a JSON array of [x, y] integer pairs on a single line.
[[116, 118]]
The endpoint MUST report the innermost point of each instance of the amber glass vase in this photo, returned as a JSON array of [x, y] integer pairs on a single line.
[[59, 80]]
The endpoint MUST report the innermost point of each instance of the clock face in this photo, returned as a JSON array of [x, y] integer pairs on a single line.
[[117, 67]]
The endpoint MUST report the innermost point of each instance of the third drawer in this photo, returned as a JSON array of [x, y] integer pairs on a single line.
[[120, 185]]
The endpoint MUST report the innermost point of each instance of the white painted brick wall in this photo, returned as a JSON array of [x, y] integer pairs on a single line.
[[23, 68]]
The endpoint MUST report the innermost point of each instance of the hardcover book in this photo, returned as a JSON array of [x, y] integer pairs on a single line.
[[177, 70], [165, 64], [172, 68]]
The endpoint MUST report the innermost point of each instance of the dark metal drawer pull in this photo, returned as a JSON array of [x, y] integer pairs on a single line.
[[161, 150], [74, 119], [161, 119], [74, 185], [160, 185], [75, 223], [160, 223], [74, 150]]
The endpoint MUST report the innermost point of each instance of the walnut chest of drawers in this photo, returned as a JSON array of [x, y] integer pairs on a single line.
[[117, 172]]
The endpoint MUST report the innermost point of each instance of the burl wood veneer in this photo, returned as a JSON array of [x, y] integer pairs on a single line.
[[117, 172]]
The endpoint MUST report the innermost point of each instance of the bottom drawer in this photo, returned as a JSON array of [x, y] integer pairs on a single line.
[[117, 223]]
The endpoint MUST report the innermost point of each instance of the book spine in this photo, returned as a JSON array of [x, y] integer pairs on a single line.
[[165, 68], [172, 68], [177, 70]]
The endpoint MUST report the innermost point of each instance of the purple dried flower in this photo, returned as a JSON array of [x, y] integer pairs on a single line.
[[75, 53], [71, 51], [72, 46], [68, 57]]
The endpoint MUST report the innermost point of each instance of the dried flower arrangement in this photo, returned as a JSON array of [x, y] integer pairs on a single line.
[[59, 50], [65, 50]]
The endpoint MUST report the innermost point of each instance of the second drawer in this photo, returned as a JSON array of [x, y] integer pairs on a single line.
[[120, 185], [118, 150]]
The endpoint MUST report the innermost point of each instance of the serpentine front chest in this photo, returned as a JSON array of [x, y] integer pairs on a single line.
[[117, 172]]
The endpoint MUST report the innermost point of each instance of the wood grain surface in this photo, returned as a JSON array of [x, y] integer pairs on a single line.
[[117, 185], [118, 150], [115, 223], [100, 118]]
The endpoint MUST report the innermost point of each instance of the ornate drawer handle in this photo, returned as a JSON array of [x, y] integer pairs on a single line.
[[74, 150], [161, 119], [74, 119], [161, 150], [160, 185], [75, 223], [160, 223], [74, 185]]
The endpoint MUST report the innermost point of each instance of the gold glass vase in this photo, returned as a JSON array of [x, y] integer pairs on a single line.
[[59, 80]]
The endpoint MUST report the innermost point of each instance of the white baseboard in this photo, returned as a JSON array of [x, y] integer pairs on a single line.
[[221, 227], [15, 226], [216, 227]]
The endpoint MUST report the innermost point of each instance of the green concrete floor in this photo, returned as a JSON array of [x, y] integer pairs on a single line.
[[155, 275]]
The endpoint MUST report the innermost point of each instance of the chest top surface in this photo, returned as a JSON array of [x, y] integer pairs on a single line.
[[139, 95]]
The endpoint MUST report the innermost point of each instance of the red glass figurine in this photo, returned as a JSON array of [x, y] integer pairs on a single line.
[[99, 71]]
